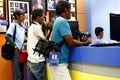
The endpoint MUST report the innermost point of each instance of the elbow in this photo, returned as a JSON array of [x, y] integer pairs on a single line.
[[7, 37], [71, 44]]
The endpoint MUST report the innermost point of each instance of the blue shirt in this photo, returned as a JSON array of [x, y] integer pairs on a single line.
[[60, 29], [20, 34]]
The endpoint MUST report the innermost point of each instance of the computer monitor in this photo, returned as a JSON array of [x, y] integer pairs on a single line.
[[74, 26], [115, 26]]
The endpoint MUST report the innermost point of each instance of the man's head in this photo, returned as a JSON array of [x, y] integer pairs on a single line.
[[63, 7], [99, 32], [38, 16], [18, 13]]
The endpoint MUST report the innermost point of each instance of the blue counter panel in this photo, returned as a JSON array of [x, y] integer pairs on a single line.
[[107, 56]]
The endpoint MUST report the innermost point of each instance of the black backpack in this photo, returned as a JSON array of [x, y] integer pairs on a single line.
[[7, 51], [45, 46]]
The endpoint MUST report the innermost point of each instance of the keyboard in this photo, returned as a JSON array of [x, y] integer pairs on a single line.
[[106, 44]]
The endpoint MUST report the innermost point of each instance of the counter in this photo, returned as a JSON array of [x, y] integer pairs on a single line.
[[95, 63], [107, 56]]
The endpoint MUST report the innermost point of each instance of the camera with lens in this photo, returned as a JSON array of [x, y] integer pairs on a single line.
[[83, 36]]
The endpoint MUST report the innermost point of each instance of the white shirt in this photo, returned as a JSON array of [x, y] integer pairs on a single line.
[[96, 41], [34, 32]]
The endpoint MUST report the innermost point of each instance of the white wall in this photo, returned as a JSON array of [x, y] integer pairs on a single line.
[[97, 14]]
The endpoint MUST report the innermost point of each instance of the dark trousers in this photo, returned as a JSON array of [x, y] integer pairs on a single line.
[[17, 68]]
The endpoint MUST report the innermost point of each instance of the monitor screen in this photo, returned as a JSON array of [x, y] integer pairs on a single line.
[[74, 26], [115, 26]]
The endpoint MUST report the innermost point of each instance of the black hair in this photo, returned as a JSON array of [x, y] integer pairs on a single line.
[[98, 30], [36, 13], [17, 12], [61, 5]]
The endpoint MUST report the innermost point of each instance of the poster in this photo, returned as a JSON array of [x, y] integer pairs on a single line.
[[51, 4], [14, 5], [38, 4]]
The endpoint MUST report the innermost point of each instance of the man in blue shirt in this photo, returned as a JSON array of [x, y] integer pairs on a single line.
[[61, 31], [17, 67]]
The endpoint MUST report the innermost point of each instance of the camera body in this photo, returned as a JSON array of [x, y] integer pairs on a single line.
[[84, 34], [81, 34]]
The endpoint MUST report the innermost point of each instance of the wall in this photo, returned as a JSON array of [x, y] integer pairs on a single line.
[[97, 14], [81, 15], [5, 69], [5, 66]]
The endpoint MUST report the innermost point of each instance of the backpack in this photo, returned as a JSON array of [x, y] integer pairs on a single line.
[[45, 46]]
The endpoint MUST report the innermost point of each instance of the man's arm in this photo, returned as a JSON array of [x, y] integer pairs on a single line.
[[72, 42], [9, 39]]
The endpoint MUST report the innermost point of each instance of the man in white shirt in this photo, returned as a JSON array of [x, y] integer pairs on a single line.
[[36, 62]]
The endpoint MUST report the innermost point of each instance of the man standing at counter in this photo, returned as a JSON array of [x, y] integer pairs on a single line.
[[61, 32]]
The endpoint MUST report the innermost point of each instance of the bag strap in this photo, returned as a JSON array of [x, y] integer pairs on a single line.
[[60, 44], [48, 36], [14, 33]]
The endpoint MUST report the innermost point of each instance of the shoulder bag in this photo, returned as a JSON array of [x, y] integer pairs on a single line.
[[7, 50]]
